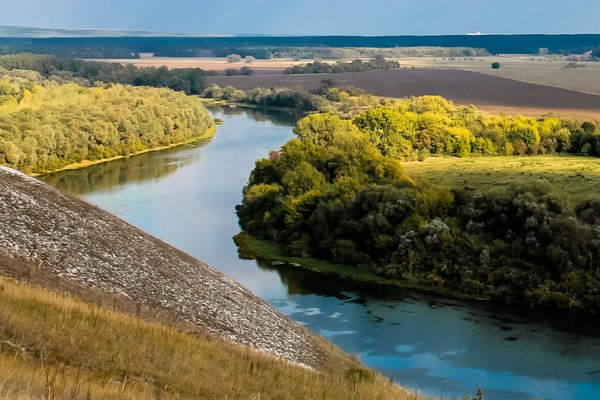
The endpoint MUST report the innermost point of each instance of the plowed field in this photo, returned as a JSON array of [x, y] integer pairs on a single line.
[[486, 92]]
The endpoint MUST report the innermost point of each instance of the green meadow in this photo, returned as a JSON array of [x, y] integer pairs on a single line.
[[574, 176]]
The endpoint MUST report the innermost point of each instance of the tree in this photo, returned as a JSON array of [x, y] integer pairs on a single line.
[[246, 71], [234, 58], [321, 129], [231, 72], [389, 129], [249, 59], [214, 91]]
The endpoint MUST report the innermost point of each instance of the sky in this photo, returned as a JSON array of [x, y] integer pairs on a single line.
[[310, 17]]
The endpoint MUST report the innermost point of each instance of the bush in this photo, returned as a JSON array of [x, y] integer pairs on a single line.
[[246, 71], [496, 65], [231, 72]]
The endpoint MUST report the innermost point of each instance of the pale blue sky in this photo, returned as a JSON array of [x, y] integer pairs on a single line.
[[311, 17]]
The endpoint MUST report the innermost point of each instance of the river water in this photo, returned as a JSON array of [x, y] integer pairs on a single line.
[[444, 348]]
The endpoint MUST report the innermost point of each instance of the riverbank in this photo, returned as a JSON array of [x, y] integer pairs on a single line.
[[250, 247], [207, 135], [234, 104]]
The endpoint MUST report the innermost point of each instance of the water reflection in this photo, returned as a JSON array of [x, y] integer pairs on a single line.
[[141, 168], [282, 118], [447, 347]]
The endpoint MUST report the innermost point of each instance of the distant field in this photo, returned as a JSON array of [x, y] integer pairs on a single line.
[[520, 86], [261, 67], [531, 69], [548, 71], [577, 177], [488, 93]]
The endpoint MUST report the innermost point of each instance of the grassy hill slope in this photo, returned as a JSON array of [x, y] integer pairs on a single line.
[[53, 346]]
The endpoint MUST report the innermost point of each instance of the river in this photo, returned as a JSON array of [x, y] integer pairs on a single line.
[[438, 347]]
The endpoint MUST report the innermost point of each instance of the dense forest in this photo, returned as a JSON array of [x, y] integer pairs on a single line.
[[187, 80], [45, 125], [353, 66], [300, 46], [337, 192]]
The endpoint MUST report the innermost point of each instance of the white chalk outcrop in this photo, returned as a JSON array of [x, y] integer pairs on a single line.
[[75, 241]]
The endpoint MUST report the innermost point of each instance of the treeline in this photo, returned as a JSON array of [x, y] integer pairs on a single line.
[[353, 66], [373, 52], [187, 80], [332, 194], [264, 97], [325, 52], [46, 127], [261, 48], [297, 46]]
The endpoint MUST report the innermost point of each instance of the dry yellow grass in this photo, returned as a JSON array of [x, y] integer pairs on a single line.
[[210, 63], [53, 346]]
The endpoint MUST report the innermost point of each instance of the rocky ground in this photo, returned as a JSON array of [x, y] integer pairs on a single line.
[[61, 242]]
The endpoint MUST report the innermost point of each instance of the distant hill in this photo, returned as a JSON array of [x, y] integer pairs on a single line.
[[36, 32]]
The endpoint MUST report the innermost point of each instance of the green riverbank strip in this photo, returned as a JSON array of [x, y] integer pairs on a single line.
[[251, 248], [208, 134]]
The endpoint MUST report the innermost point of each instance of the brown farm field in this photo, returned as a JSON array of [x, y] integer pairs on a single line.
[[488, 93], [520, 86]]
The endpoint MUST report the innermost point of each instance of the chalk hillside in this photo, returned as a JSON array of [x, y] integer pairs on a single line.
[[49, 238]]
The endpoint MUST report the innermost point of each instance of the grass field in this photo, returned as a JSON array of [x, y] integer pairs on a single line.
[[53, 347], [576, 177]]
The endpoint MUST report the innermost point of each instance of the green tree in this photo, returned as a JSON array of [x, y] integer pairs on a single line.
[[391, 131], [322, 129]]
